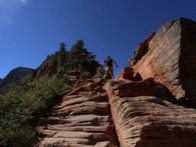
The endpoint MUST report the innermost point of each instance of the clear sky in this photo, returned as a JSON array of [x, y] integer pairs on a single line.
[[32, 29]]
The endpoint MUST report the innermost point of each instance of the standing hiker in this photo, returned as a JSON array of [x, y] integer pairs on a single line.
[[109, 72]]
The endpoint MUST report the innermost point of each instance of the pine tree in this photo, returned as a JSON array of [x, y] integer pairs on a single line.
[[76, 56], [62, 57], [81, 60]]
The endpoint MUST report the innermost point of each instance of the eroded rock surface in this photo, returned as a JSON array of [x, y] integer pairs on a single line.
[[169, 56], [82, 119], [143, 116]]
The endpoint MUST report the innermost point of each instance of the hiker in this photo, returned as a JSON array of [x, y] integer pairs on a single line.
[[108, 62]]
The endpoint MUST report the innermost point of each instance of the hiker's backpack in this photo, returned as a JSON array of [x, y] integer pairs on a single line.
[[108, 62]]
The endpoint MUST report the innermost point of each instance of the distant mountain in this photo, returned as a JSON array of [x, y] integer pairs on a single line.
[[15, 75]]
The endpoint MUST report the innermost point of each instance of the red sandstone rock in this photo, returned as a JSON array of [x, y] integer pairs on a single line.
[[126, 74], [82, 119], [143, 119], [133, 88], [170, 58], [49, 67]]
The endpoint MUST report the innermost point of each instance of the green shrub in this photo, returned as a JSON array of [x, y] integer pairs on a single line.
[[45, 92], [100, 72], [85, 75], [14, 115], [22, 105]]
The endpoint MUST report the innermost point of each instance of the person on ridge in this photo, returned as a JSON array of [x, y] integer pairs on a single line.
[[109, 72]]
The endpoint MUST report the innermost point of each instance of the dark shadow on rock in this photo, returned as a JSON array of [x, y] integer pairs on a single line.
[[187, 63]]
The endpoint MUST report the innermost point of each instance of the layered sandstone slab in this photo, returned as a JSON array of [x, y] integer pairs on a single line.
[[169, 56], [143, 117], [83, 119]]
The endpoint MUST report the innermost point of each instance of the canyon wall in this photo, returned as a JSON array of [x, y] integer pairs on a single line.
[[169, 56]]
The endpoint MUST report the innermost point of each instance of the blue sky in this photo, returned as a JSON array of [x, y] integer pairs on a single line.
[[32, 29]]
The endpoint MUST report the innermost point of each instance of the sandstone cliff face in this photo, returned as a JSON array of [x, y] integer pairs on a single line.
[[137, 108], [49, 67], [170, 58]]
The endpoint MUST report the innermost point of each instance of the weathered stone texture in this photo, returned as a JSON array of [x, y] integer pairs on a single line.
[[171, 58], [126, 74], [83, 119], [144, 118]]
